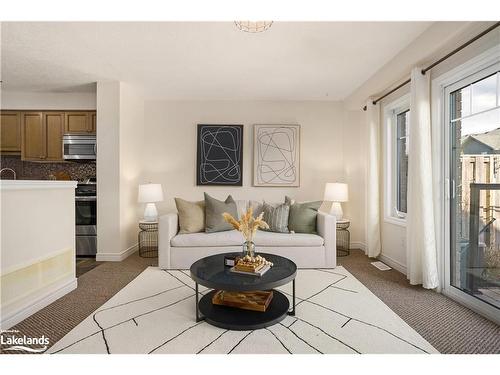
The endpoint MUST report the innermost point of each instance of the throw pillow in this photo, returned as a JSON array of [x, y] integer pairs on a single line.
[[302, 218], [276, 217], [191, 216], [214, 208]]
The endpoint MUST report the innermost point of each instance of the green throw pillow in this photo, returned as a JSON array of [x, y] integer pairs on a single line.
[[191, 216], [276, 217], [303, 216], [214, 208]]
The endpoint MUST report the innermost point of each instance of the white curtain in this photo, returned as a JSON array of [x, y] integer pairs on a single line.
[[373, 245], [420, 226]]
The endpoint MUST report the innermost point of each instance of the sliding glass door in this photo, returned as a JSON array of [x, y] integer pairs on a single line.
[[473, 118]]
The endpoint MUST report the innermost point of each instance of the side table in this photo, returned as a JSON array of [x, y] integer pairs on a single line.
[[343, 237], [148, 239]]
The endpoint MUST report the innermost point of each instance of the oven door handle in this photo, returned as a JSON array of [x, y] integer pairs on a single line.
[[85, 199]]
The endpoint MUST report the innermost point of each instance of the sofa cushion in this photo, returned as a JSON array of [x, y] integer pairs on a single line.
[[226, 238], [263, 238], [277, 217], [191, 216], [258, 207], [234, 238], [214, 209], [302, 218]]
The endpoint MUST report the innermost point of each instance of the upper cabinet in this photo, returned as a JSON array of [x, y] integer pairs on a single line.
[[54, 127], [79, 122], [34, 136], [37, 135], [10, 132], [93, 117]]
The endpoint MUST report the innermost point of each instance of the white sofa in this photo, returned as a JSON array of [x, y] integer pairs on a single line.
[[180, 251]]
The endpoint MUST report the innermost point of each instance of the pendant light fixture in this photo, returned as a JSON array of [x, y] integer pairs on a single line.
[[253, 26]]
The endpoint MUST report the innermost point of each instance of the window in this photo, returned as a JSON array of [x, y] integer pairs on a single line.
[[396, 136], [402, 125]]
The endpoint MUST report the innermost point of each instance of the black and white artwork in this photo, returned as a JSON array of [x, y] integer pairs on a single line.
[[220, 155], [276, 155]]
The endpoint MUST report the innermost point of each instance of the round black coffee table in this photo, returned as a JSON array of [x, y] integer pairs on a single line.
[[211, 273]]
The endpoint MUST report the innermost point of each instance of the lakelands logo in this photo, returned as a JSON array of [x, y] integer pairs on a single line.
[[16, 342]]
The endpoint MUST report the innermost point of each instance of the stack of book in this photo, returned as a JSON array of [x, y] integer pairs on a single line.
[[247, 267]]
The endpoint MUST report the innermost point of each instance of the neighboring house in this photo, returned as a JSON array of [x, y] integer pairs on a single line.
[[485, 143]]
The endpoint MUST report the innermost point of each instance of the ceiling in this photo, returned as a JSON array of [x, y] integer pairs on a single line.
[[202, 60]]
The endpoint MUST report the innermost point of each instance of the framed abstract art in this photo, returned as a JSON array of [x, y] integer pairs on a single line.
[[219, 155], [276, 155]]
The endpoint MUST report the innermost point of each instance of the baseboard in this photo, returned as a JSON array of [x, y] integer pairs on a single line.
[[358, 245], [116, 257], [393, 263], [39, 304]]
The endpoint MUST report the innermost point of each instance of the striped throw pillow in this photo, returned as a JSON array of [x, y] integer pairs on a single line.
[[276, 217]]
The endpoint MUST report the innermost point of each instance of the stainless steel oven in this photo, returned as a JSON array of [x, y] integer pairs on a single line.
[[86, 219], [79, 147]]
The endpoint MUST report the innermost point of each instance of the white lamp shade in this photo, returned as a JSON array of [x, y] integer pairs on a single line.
[[150, 193], [336, 192]]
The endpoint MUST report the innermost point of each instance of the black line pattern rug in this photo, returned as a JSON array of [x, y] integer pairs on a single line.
[[335, 313]]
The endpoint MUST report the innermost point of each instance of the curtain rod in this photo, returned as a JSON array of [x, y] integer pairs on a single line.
[[425, 70]]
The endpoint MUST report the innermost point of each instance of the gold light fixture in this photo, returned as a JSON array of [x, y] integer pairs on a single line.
[[253, 26]]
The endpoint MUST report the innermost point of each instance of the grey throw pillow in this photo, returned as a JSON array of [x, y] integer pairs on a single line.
[[302, 218], [276, 217], [191, 216], [214, 208]]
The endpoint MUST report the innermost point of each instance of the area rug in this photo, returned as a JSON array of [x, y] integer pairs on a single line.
[[155, 313]]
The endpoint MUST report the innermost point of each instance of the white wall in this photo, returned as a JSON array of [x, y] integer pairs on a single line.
[[48, 100], [108, 167], [120, 117], [354, 141], [431, 45], [170, 148], [37, 258], [131, 151]]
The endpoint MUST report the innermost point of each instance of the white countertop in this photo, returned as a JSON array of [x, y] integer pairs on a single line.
[[36, 184]]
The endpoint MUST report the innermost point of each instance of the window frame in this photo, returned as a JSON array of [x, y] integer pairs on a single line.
[[440, 90], [391, 111], [397, 113]]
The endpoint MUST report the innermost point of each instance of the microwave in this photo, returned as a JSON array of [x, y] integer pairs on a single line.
[[79, 147]]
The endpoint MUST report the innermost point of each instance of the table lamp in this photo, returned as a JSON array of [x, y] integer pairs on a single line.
[[149, 194], [336, 193]]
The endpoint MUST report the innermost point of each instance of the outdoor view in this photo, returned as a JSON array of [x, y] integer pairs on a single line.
[[475, 170]]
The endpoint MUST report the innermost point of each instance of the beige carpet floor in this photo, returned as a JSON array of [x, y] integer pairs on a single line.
[[448, 326]]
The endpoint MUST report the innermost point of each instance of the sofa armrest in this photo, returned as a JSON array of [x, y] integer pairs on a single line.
[[327, 228], [167, 228]]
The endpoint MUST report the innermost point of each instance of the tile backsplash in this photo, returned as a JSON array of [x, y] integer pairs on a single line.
[[41, 171]]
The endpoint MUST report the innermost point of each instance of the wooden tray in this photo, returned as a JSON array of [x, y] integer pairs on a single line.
[[255, 301]]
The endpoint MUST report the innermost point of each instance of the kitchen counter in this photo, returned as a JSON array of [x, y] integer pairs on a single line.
[[36, 184], [37, 245]]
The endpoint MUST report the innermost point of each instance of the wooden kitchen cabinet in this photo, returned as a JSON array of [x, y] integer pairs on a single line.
[[93, 116], [42, 134], [54, 128], [79, 122], [34, 139], [37, 135], [10, 132]]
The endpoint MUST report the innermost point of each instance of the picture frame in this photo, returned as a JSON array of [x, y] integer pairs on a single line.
[[219, 158], [276, 155]]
